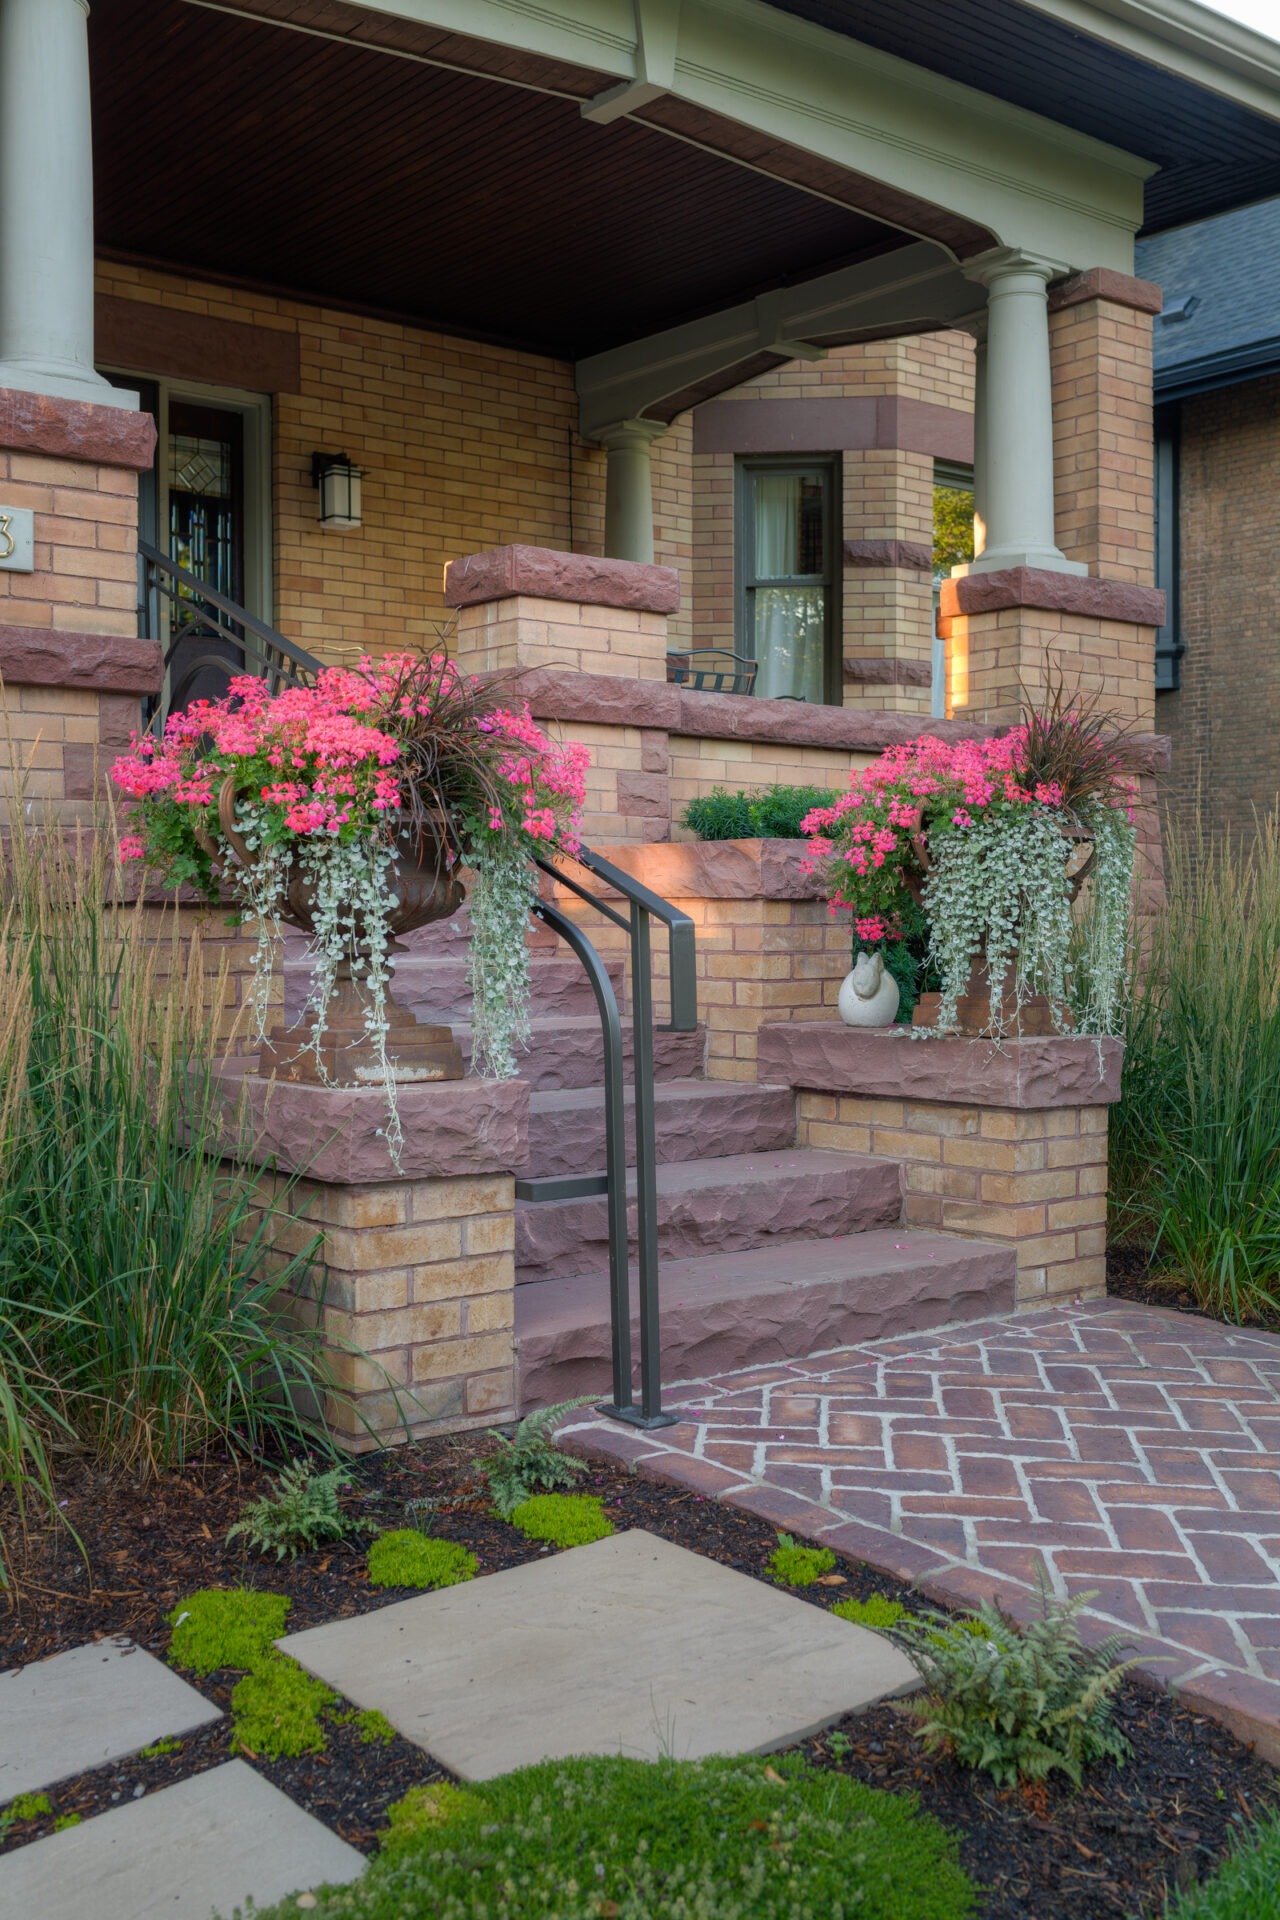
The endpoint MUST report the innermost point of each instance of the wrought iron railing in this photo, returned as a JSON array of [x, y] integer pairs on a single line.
[[204, 632], [642, 907], [712, 670]]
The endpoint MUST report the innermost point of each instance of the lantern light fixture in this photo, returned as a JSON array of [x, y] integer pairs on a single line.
[[337, 480]]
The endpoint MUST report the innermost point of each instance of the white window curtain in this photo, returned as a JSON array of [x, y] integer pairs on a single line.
[[789, 622]]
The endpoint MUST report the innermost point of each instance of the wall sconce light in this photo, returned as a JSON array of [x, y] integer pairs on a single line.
[[337, 480]]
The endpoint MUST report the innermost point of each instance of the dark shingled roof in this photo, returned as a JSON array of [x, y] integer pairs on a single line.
[[1221, 319]]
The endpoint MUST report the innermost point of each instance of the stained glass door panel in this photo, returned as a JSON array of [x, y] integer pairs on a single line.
[[204, 476]]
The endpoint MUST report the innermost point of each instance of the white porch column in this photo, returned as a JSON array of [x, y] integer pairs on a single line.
[[628, 496], [46, 203], [980, 507], [1014, 425]]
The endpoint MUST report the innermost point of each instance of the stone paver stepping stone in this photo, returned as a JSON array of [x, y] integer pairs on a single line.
[[203, 1846], [77, 1710], [630, 1645]]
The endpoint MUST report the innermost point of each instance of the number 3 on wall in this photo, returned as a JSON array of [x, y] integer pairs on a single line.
[[8, 545]]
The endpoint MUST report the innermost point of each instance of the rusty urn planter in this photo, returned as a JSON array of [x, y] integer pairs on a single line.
[[975, 1015], [426, 890]]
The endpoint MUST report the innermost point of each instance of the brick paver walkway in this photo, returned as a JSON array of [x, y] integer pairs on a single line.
[[1132, 1452]]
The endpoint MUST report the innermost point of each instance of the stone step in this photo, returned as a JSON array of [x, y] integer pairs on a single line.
[[693, 1119], [434, 986], [763, 1307], [568, 1051], [728, 1205]]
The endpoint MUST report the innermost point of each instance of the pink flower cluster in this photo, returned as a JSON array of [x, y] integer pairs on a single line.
[[331, 760], [864, 843]]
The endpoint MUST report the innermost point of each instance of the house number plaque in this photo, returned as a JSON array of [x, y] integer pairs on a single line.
[[17, 540]]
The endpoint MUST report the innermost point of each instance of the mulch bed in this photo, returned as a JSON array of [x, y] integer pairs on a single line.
[[1131, 1276], [1048, 1853]]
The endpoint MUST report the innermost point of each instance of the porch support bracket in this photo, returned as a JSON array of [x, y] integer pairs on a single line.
[[916, 288], [657, 28]]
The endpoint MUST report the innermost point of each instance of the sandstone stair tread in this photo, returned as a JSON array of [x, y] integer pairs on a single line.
[[434, 985], [763, 1305], [739, 1201], [706, 1119], [567, 1050]]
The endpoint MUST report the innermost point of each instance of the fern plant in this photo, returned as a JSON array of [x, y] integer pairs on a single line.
[[527, 1462], [302, 1513], [1016, 1702]]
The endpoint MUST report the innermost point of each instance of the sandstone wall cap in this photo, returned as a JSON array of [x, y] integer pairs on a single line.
[[1067, 1070], [540, 573]]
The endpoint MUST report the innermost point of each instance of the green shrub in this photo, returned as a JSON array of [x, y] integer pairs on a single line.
[[770, 813], [140, 1312], [1015, 1702], [875, 1612], [791, 1565], [1245, 1887], [302, 1513], [563, 1519], [225, 1627], [405, 1558], [1195, 1140], [276, 1710], [528, 1463], [712, 1839]]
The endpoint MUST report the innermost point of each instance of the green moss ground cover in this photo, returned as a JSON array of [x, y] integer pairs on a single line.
[[632, 1839]]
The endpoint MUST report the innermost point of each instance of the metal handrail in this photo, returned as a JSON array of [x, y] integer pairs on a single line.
[[643, 905], [207, 612]]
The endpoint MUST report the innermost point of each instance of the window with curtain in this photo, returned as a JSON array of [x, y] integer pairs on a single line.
[[786, 552]]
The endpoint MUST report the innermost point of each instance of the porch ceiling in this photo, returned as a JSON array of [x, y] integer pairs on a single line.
[[237, 149]]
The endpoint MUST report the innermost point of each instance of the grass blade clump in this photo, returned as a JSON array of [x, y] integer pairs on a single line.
[[147, 1307], [1245, 1887], [1195, 1139]]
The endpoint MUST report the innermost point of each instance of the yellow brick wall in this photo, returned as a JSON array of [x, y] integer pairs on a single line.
[[420, 1276], [1103, 453], [465, 446], [1035, 1180], [86, 530]]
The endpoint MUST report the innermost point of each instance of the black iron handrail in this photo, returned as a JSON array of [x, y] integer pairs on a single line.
[[712, 670], [643, 905], [213, 616]]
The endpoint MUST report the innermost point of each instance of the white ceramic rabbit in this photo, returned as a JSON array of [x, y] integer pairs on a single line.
[[869, 995]]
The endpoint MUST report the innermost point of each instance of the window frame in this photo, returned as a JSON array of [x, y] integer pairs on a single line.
[[745, 580]]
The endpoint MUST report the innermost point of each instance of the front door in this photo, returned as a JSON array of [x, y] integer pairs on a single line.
[[204, 469]]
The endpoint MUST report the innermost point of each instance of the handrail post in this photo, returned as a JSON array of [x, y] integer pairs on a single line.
[[646, 1171]]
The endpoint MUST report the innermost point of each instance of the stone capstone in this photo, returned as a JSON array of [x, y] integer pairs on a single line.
[[1066, 1070]]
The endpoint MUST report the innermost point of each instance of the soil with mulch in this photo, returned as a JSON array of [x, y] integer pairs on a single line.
[[1108, 1850]]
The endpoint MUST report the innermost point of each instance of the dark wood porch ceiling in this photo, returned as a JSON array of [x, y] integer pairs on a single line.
[[253, 154]]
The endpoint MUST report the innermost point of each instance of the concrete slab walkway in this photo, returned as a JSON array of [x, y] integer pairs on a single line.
[[1133, 1452], [205, 1845], [630, 1645]]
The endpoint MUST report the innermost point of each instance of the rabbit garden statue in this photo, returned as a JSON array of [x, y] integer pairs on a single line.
[[869, 995]]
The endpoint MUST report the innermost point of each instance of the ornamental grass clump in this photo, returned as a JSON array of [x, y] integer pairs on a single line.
[[143, 1299], [325, 787], [1016, 1702], [1194, 1144], [989, 837]]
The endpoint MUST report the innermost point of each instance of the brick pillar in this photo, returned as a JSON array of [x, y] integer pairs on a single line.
[[417, 1262], [1100, 350], [887, 589], [73, 667], [1005, 1144]]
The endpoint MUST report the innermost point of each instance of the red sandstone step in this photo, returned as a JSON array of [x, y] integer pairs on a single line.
[[434, 986], [727, 1205], [568, 1051], [694, 1119], [772, 1304]]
